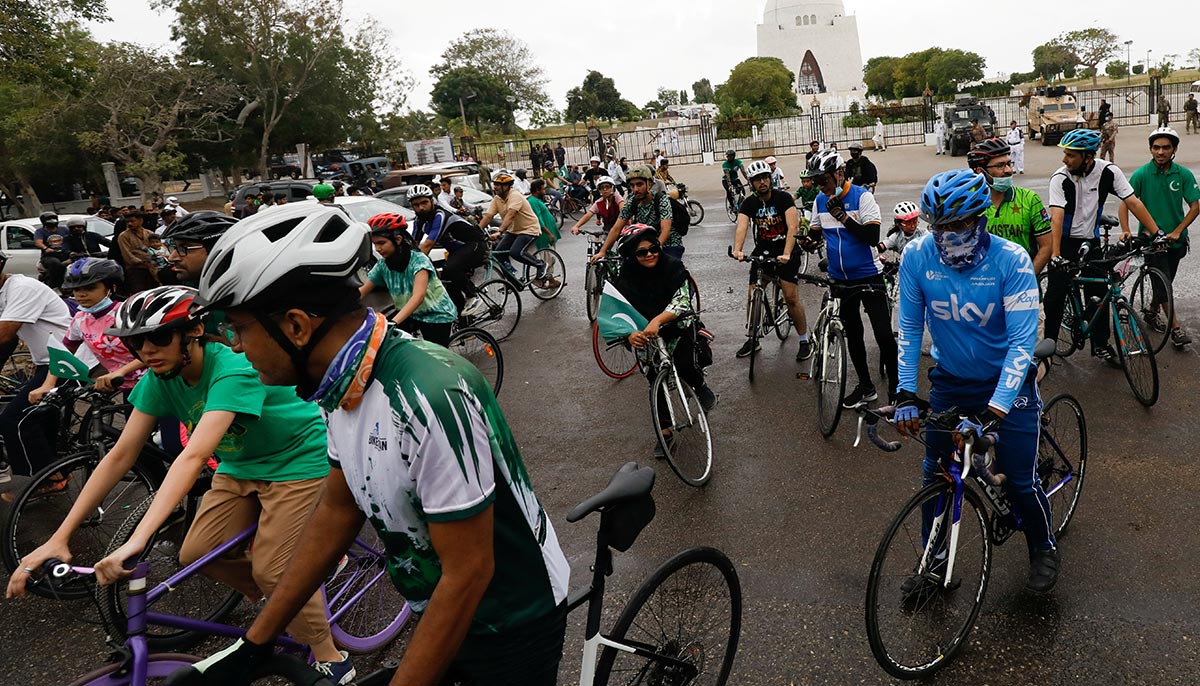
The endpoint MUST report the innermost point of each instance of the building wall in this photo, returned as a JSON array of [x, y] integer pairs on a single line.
[[790, 29]]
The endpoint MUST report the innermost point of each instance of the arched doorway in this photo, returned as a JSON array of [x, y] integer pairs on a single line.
[[809, 79]]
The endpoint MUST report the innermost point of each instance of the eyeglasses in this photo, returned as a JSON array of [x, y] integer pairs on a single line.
[[160, 338], [181, 249], [959, 225], [232, 331], [1000, 165], [647, 252]]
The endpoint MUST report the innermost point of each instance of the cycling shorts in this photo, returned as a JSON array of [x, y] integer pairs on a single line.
[[786, 272]]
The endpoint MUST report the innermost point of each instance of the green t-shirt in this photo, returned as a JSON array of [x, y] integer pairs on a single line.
[[1164, 193], [1021, 218], [435, 308], [546, 219], [276, 436], [730, 169]]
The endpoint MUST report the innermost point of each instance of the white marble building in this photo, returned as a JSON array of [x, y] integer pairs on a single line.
[[817, 41]]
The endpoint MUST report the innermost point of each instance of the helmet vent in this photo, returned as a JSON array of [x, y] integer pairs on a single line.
[[277, 231], [334, 227]]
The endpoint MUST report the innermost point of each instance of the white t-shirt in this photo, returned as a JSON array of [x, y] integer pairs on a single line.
[[1015, 136], [1082, 198], [41, 312]]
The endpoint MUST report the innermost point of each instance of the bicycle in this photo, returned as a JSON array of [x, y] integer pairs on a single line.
[[675, 406], [681, 626], [1135, 353], [915, 633], [764, 315], [359, 584], [556, 273], [694, 208], [598, 272], [1152, 293], [17, 370], [475, 345], [734, 196]]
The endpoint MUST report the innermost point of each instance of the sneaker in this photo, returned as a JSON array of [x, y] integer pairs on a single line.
[[1154, 320], [805, 351], [474, 307], [750, 346], [5, 473], [860, 395], [1179, 337], [708, 399], [1043, 570], [339, 673], [549, 282], [1108, 356]]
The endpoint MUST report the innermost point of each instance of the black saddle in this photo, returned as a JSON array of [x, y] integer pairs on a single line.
[[625, 506]]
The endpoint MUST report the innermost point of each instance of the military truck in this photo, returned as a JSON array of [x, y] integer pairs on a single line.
[[1052, 113], [958, 118]]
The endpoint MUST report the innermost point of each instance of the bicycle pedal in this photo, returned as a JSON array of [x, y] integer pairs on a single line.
[[803, 376]]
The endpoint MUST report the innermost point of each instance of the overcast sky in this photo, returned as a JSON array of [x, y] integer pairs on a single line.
[[646, 44]]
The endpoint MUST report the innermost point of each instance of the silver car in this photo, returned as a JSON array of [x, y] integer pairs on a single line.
[[16, 240]]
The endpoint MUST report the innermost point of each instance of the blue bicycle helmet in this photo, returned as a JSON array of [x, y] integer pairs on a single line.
[[1084, 140], [954, 195]]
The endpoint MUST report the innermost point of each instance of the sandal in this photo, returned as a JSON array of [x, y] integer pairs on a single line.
[[55, 487]]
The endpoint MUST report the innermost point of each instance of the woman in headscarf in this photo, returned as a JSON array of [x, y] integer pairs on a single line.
[[657, 286]]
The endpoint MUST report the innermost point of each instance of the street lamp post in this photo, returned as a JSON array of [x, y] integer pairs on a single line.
[[1128, 63], [1148, 62]]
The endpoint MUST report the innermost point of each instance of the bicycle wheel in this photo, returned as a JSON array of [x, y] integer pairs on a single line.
[[801, 255], [754, 325], [480, 349], [16, 371], [38, 510], [731, 209], [1137, 357], [694, 290], [556, 270], [915, 624], [689, 448], [695, 212], [1064, 344], [689, 609], [593, 286], [783, 320], [503, 304], [1153, 298], [159, 667], [829, 372], [616, 359], [365, 610], [1062, 457], [197, 597]]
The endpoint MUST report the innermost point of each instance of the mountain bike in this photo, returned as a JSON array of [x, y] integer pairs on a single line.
[[556, 273], [681, 626], [765, 315], [675, 407], [733, 201]]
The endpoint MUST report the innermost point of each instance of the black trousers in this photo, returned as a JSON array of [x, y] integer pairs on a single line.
[[874, 301], [456, 271], [1058, 284]]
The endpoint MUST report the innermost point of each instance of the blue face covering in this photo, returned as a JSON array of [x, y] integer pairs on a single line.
[[99, 307], [963, 249]]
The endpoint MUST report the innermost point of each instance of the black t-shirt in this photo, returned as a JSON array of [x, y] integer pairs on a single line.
[[768, 221], [594, 173]]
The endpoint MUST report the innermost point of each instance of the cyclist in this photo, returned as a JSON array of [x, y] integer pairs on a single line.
[[645, 207], [848, 218], [606, 210], [190, 239], [806, 193], [410, 279], [1078, 191], [519, 228], [777, 179], [593, 172], [905, 228], [731, 168], [983, 351], [271, 447], [465, 244], [860, 170], [664, 172], [417, 443], [537, 200], [324, 193], [1016, 214], [554, 182], [776, 223], [1165, 187]]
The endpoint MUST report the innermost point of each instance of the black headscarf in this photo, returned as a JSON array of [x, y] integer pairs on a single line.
[[649, 290]]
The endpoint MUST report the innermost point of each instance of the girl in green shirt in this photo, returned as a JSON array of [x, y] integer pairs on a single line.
[[409, 276]]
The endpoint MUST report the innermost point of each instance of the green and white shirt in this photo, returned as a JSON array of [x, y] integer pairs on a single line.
[[428, 443], [435, 308]]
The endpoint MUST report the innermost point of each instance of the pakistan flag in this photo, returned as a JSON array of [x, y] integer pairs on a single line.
[[617, 318]]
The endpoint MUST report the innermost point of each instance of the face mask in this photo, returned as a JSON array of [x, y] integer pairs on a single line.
[[963, 249], [99, 307], [1002, 185]]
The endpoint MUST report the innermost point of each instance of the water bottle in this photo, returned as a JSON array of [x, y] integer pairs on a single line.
[[982, 463]]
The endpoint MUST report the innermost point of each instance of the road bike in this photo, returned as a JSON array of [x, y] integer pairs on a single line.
[[474, 344], [681, 626], [931, 569], [733, 201], [764, 314], [676, 409]]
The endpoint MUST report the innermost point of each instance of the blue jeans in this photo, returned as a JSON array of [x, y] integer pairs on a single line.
[[1015, 453], [514, 245]]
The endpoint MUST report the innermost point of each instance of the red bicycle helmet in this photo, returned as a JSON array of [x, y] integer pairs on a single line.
[[388, 224]]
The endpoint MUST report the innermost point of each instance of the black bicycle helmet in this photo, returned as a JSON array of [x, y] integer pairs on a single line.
[[731, 153], [825, 162], [89, 270], [204, 227], [48, 217], [984, 151]]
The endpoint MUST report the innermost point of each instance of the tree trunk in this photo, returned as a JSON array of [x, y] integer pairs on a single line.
[[235, 172], [30, 203], [151, 183]]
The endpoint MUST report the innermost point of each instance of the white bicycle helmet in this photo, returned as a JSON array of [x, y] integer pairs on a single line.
[[825, 162], [1164, 131], [771, 160], [757, 168], [594, 159], [600, 181], [907, 210], [420, 190]]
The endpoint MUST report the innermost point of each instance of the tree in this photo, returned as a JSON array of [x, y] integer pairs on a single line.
[[596, 97], [1090, 46], [946, 69], [1116, 69], [703, 91], [161, 101], [31, 33], [484, 97], [940, 69], [669, 97], [683, 97], [758, 86], [507, 59], [1053, 58], [1194, 57]]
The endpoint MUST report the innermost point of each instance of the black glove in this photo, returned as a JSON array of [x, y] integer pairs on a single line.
[[1058, 263], [233, 666], [836, 209]]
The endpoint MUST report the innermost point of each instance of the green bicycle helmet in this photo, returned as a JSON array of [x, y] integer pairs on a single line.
[[323, 191]]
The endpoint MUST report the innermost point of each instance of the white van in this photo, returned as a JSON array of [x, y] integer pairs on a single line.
[[1195, 88]]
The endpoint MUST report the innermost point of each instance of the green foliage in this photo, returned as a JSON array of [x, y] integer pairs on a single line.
[[33, 34], [1194, 57], [1116, 69], [1090, 47], [760, 87], [668, 97], [597, 97], [1139, 68], [994, 89], [905, 77], [703, 90], [683, 97], [484, 97], [889, 113], [1054, 58], [506, 58]]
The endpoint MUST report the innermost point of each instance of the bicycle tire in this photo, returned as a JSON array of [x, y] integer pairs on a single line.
[[1067, 341], [783, 318], [680, 579], [503, 304], [33, 517], [1062, 452], [802, 255], [1135, 353], [17, 370], [160, 666], [372, 621], [831, 357], [593, 286], [1143, 296], [695, 212], [694, 291], [943, 647], [555, 268], [197, 590], [689, 450], [275, 670], [616, 360], [481, 349], [754, 326], [731, 210]]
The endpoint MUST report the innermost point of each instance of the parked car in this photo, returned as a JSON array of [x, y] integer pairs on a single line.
[[285, 165], [295, 189], [359, 171], [473, 197], [16, 240]]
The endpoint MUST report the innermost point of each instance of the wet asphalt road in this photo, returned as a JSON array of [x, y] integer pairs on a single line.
[[801, 516]]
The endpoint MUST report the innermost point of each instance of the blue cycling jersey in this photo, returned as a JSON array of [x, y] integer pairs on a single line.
[[983, 321], [849, 257]]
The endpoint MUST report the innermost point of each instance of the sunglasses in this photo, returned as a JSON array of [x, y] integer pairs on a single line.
[[159, 339], [181, 249], [647, 252]]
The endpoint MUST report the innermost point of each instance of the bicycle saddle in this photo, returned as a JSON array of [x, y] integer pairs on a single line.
[[1044, 349], [631, 482], [1108, 220]]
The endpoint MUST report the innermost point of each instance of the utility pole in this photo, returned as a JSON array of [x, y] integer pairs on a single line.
[[1128, 63]]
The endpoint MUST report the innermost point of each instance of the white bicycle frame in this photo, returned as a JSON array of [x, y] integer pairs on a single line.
[[676, 387], [954, 509], [830, 316]]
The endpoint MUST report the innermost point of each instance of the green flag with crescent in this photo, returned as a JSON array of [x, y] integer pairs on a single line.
[[64, 365], [616, 317]]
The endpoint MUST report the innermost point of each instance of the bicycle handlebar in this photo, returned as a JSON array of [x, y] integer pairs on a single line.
[[752, 259], [947, 420]]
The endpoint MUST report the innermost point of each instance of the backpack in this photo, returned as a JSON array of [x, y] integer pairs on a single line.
[[680, 219]]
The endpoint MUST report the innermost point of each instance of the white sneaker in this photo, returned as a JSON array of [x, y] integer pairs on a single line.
[[5, 473], [473, 307]]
